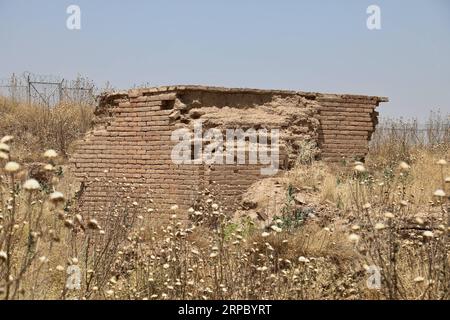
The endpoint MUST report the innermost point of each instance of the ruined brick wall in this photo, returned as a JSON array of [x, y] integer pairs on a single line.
[[125, 161], [347, 123]]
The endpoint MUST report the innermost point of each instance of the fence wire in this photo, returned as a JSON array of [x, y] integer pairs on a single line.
[[48, 90], [435, 131]]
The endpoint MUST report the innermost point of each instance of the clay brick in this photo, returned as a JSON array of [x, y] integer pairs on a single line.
[[131, 140]]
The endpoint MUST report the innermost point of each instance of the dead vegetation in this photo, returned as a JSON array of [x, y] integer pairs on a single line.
[[36, 128], [336, 229]]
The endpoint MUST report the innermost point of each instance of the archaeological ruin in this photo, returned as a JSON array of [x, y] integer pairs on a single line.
[[126, 160]]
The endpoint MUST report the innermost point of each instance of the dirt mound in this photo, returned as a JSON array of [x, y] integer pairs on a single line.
[[266, 199]]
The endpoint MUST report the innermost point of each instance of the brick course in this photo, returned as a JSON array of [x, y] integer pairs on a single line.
[[126, 157]]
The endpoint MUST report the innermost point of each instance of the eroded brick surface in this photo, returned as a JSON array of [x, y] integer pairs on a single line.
[[125, 161]]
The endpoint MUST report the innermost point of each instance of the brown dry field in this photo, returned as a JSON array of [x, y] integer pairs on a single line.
[[333, 228]]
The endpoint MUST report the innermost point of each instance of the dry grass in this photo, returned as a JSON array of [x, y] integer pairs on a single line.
[[381, 215], [37, 128]]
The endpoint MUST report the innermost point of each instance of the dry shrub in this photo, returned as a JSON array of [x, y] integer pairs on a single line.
[[397, 140], [311, 240], [384, 185], [37, 128], [307, 176]]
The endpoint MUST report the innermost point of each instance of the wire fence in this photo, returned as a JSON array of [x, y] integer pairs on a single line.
[[48, 90], [435, 131]]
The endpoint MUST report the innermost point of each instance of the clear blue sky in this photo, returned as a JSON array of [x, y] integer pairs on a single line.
[[320, 45]]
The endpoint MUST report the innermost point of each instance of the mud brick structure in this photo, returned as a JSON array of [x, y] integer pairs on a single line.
[[126, 159]]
